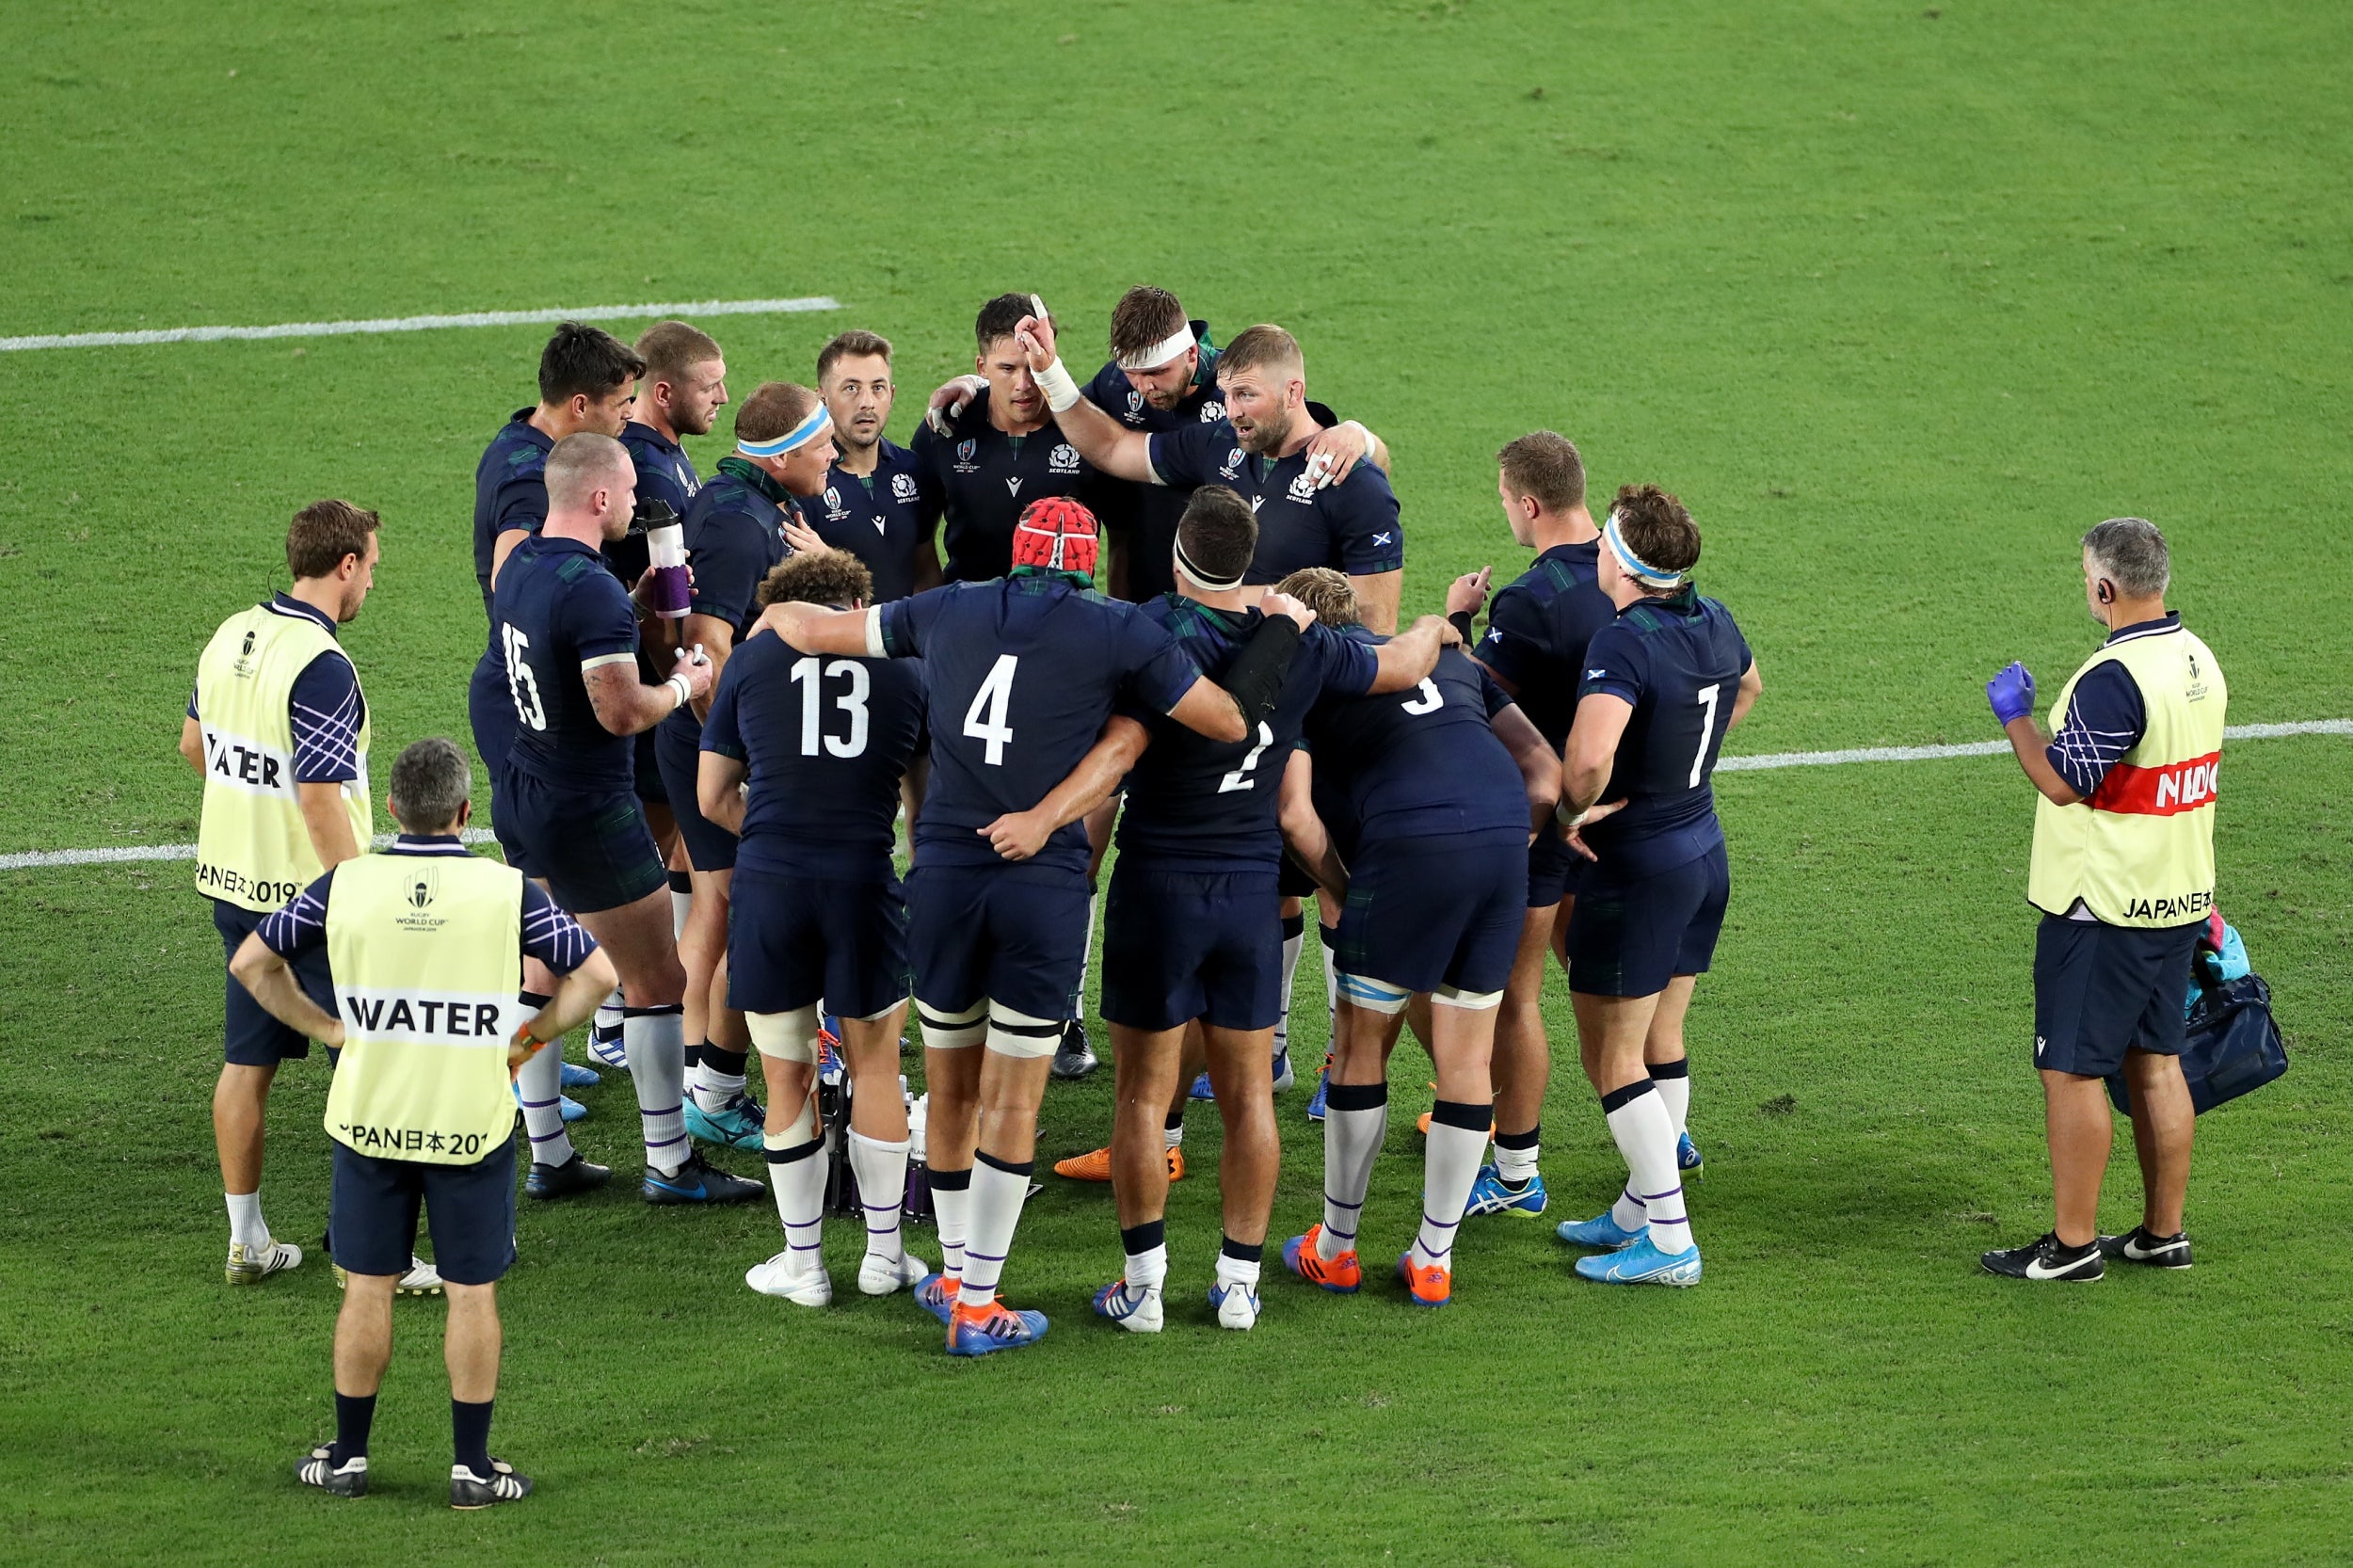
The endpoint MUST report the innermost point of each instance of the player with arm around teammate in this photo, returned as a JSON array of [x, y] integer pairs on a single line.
[[1020, 677], [1442, 786], [1191, 931], [424, 945], [802, 758], [1664, 682], [569, 632]]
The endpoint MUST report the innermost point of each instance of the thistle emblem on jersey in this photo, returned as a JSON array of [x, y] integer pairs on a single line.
[[903, 487], [1303, 490], [1062, 459]]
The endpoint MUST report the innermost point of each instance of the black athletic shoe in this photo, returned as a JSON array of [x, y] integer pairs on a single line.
[[318, 1468], [2047, 1259], [576, 1174], [697, 1181], [1075, 1057], [2153, 1252], [503, 1484]]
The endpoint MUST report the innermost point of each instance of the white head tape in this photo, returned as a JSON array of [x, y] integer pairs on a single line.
[[1210, 581], [1636, 567], [1163, 352], [816, 425]]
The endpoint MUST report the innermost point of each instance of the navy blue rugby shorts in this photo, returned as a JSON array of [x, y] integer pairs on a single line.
[[1554, 869], [794, 940], [592, 848], [677, 752], [2101, 990], [1631, 934], [1012, 934], [1179, 946], [1422, 913], [372, 1213], [250, 1036]]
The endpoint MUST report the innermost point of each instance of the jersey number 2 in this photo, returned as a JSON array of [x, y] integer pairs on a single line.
[[1240, 777], [985, 719], [853, 702], [521, 684]]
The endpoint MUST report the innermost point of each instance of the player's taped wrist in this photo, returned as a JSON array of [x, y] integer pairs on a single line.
[[1060, 388], [683, 688], [1255, 678], [1570, 818]]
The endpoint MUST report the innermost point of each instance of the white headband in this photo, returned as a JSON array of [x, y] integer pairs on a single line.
[[816, 425], [1649, 576], [1213, 583], [1160, 353]]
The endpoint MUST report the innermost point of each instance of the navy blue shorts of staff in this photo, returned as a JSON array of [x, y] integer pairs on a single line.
[[1179, 946], [1422, 913], [593, 850], [251, 1037], [678, 751], [2101, 990], [372, 1214], [793, 940], [1014, 934], [1631, 934], [1554, 869]]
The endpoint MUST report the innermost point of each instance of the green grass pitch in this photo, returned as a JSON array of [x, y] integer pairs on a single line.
[[1899, 298]]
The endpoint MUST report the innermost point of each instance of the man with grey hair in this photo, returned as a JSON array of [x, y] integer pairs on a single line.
[[2122, 870]]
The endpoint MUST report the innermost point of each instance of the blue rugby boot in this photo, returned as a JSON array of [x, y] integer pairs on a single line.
[[577, 1077], [1201, 1090], [936, 1295], [1324, 1084], [986, 1329], [1641, 1263], [1601, 1232], [1490, 1196], [1688, 1159], [737, 1124], [697, 1181]]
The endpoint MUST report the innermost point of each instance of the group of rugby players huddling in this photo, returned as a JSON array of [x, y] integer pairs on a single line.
[[876, 631]]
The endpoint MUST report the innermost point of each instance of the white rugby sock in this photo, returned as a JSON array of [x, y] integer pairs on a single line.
[[951, 1208], [1173, 1137], [609, 1012], [1639, 1121], [1330, 937], [245, 1226], [718, 1076], [655, 1039], [1355, 1119], [1086, 957], [1294, 939], [1672, 1080], [999, 1189], [681, 899], [1449, 1165], [1146, 1270], [540, 1086], [1515, 1162], [797, 1173], [881, 1170], [1237, 1270]]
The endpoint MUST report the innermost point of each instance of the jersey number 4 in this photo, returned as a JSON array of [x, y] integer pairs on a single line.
[[807, 676], [520, 684], [985, 720]]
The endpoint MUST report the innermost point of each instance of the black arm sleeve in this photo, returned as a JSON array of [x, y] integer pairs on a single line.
[[1255, 678], [1463, 620]]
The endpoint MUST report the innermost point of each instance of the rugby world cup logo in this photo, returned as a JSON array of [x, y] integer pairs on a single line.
[[965, 451], [1135, 403], [421, 892], [834, 510]]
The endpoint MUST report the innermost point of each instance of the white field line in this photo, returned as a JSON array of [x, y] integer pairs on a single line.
[[33, 860], [421, 324]]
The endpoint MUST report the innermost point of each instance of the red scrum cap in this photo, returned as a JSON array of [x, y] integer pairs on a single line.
[[1057, 533]]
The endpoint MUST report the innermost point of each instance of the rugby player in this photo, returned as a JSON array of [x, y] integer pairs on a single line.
[[739, 527], [871, 500], [568, 630], [1441, 788], [277, 729], [1534, 648], [586, 379], [803, 756], [1020, 676], [685, 387], [1663, 683], [1002, 453], [1191, 931]]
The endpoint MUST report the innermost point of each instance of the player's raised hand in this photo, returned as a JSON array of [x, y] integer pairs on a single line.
[[1334, 452], [1018, 835], [1035, 335], [1272, 604], [951, 399], [1468, 593], [804, 539]]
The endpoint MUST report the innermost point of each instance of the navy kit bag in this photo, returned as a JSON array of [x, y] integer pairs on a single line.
[[2233, 1046]]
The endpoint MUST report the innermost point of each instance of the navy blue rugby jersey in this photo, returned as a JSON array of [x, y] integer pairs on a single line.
[[979, 479], [1417, 763], [1537, 629], [665, 474], [1352, 526], [557, 608], [510, 491], [1146, 516], [877, 517], [1019, 675], [825, 740], [1211, 807], [734, 535], [1679, 662]]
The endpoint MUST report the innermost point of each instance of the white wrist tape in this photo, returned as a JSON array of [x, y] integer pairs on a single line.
[[684, 687], [1057, 384]]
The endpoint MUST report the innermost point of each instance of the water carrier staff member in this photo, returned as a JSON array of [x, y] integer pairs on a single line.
[[2123, 874], [424, 946], [278, 729]]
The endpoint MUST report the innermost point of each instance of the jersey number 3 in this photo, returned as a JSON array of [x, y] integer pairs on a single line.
[[985, 719], [520, 684], [807, 676]]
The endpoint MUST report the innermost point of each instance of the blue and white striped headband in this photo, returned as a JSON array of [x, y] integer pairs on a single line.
[[816, 425], [1647, 575]]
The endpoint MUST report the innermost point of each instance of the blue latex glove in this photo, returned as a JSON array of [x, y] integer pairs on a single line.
[[2011, 693]]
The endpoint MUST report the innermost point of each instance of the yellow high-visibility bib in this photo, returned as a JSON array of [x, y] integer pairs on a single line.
[[2140, 852], [425, 951], [253, 849]]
